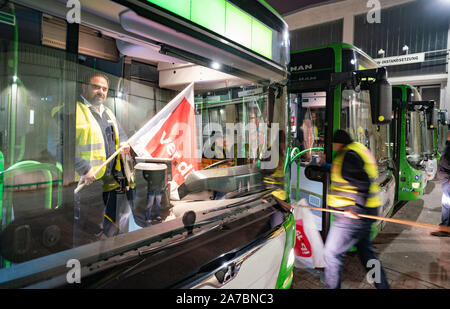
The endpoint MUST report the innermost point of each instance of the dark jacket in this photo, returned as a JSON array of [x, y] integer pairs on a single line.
[[353, 171]]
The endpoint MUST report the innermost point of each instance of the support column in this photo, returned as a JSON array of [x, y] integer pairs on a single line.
[[67, 118], [349, 29]]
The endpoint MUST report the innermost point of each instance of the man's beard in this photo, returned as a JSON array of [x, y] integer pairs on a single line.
[[97, 100]]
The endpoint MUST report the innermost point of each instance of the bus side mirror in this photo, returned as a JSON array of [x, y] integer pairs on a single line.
[[316, 173], [381, 101], [380, 90], [431, 113]]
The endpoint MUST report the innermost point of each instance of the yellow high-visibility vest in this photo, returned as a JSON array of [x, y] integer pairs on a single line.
[[276, 180], [341, 192], [90, 145]]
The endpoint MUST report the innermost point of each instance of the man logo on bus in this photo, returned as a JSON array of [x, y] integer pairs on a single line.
[[301, 67]]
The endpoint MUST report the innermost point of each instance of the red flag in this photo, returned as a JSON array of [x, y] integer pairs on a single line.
[[171, 134]]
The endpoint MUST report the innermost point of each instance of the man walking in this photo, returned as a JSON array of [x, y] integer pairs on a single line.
[[355, 191]]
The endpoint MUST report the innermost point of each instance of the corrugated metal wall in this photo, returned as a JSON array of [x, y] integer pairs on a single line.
[[318, 35], [421, 25]]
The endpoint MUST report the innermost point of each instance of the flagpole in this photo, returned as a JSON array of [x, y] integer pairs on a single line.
[[81, 186], [398, 221]]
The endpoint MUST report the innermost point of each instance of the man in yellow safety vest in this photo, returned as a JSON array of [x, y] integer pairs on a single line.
[[98, 136], [354, 190]]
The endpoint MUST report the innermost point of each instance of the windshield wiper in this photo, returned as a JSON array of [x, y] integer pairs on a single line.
[[242, 202]]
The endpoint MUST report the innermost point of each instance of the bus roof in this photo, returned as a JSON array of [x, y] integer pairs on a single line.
[[338, 45]]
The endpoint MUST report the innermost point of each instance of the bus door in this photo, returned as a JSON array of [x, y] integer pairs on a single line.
[[309, 142], [414, 142], [407, 173], [356, 119], [427, 126]]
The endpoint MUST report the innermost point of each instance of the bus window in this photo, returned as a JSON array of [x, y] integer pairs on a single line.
[[415, 138], [47, 96], [442, 135], [233, 126], [417, 141], [311, 123], [358, 122], [67, 104], [427, 133]]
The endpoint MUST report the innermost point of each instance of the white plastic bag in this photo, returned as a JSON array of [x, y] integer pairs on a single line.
[[174, 196], [309, 245], [124, 213]]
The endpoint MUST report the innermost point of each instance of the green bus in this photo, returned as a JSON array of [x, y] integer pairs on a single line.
[[334, 87], [413, 130], [226, 226]]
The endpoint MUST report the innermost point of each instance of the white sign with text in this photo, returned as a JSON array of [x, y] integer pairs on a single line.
[[398, 60]]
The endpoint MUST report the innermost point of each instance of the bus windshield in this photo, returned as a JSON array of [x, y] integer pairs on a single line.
[[64, 113], [428, 142], [443, 131], [356, 113], [311, 123], [415, 135], [356, 119]]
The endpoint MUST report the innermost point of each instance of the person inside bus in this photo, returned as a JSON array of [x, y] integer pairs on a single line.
[[98, 135], [218, 144], [218, 151], [353, 191], [308, 135]]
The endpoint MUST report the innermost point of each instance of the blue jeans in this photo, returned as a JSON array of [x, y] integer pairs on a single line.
[[341, 237], [445, 221], [153, 196]]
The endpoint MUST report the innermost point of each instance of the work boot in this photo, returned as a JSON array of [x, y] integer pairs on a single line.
[[440, 234], [158, 219]]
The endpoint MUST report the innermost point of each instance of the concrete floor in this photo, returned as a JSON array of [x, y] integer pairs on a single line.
[[411, 257]]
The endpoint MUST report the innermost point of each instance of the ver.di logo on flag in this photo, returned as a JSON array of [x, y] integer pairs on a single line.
[[171, 134]]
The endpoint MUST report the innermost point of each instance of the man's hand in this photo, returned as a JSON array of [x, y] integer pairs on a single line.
[[88, 178], [351, 214]]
